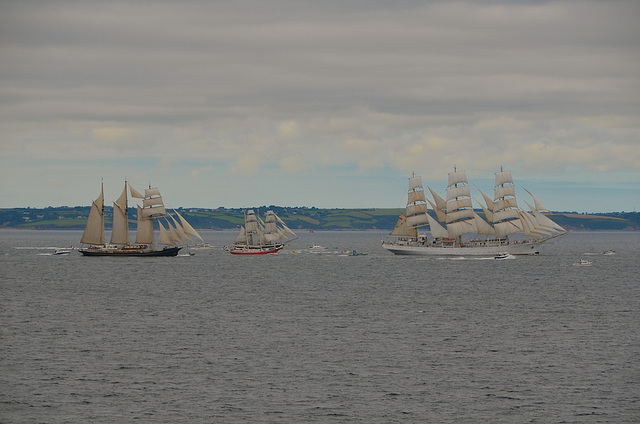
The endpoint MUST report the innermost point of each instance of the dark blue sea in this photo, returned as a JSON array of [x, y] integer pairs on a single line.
[[319, 337]]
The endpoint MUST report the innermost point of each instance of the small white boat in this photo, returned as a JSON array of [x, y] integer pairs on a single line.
[[64, 251], [503, 255], [583, 262], [317, 248], [609, 252]]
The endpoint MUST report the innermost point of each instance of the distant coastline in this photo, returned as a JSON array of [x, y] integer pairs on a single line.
[[298, 218]]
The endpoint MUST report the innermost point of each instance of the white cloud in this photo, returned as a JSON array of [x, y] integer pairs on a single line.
[[551, 87]]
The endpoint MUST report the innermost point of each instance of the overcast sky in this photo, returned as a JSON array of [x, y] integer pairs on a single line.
[[318, 103]]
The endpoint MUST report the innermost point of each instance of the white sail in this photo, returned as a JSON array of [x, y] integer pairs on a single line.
[[506, 215], [154, 212], [459, 228], [458, 204], [270, 223], [120, 227], [488, 200], [487, 213], [94, 230], [505, 203], [547, 222], [441, 215], [503, 177], [415, 196], [420, 208], [415, 182], [460, 191], [538, 206], [187, 227], [144, 233], [457, 177], [460, 216], [436, 229], [504, 191], [403, 230], [242, 237], [251, 222], [183, 235], [536, 225], [417, 220], [153, 205], [505, 228], [286, 229], [482, 226], [151, 192], [152, 201], [529, 226], [135, 193], [416, 209], [165, 238], [440, 202], [175, 237]]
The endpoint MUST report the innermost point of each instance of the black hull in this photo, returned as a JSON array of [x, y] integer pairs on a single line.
[[170, 251]]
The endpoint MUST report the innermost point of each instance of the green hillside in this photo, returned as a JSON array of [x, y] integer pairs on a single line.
[[296, 218]]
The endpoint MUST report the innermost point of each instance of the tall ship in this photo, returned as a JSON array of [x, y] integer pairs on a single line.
[[456, 229], [174, 237], [260, 237]]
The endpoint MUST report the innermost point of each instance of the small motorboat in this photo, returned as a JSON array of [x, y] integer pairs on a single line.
[[609, 252], [503, 255], [317, 248], [583, 262], [64, 251]]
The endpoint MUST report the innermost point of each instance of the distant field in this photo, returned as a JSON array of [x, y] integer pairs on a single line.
[[296, 218]]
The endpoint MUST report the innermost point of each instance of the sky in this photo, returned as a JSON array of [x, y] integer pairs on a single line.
[[328, 104]]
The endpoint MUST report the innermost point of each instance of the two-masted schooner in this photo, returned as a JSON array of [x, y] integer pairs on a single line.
[[178, 235], [258, 237], [455, 217]]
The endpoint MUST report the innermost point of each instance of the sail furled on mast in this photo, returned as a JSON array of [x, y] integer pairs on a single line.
[[94, 230]]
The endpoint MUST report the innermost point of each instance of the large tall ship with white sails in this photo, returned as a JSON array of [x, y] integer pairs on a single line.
[[455, 217], [172, 239], [258, 237]]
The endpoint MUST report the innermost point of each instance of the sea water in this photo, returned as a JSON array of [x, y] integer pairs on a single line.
[[303, 337]]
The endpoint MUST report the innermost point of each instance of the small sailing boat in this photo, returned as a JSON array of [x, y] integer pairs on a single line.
[[119, 245], [258, 237]]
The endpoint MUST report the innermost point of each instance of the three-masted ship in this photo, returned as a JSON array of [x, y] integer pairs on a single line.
[[455, 217], [178, 234], [258, 237]]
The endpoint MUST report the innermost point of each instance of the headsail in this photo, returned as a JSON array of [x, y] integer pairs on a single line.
[[187, 227]]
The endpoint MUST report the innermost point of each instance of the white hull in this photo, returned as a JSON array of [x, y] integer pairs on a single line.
[[418, 249]]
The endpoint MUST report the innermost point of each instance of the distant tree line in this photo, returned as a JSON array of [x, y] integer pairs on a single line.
[[65, 217]]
